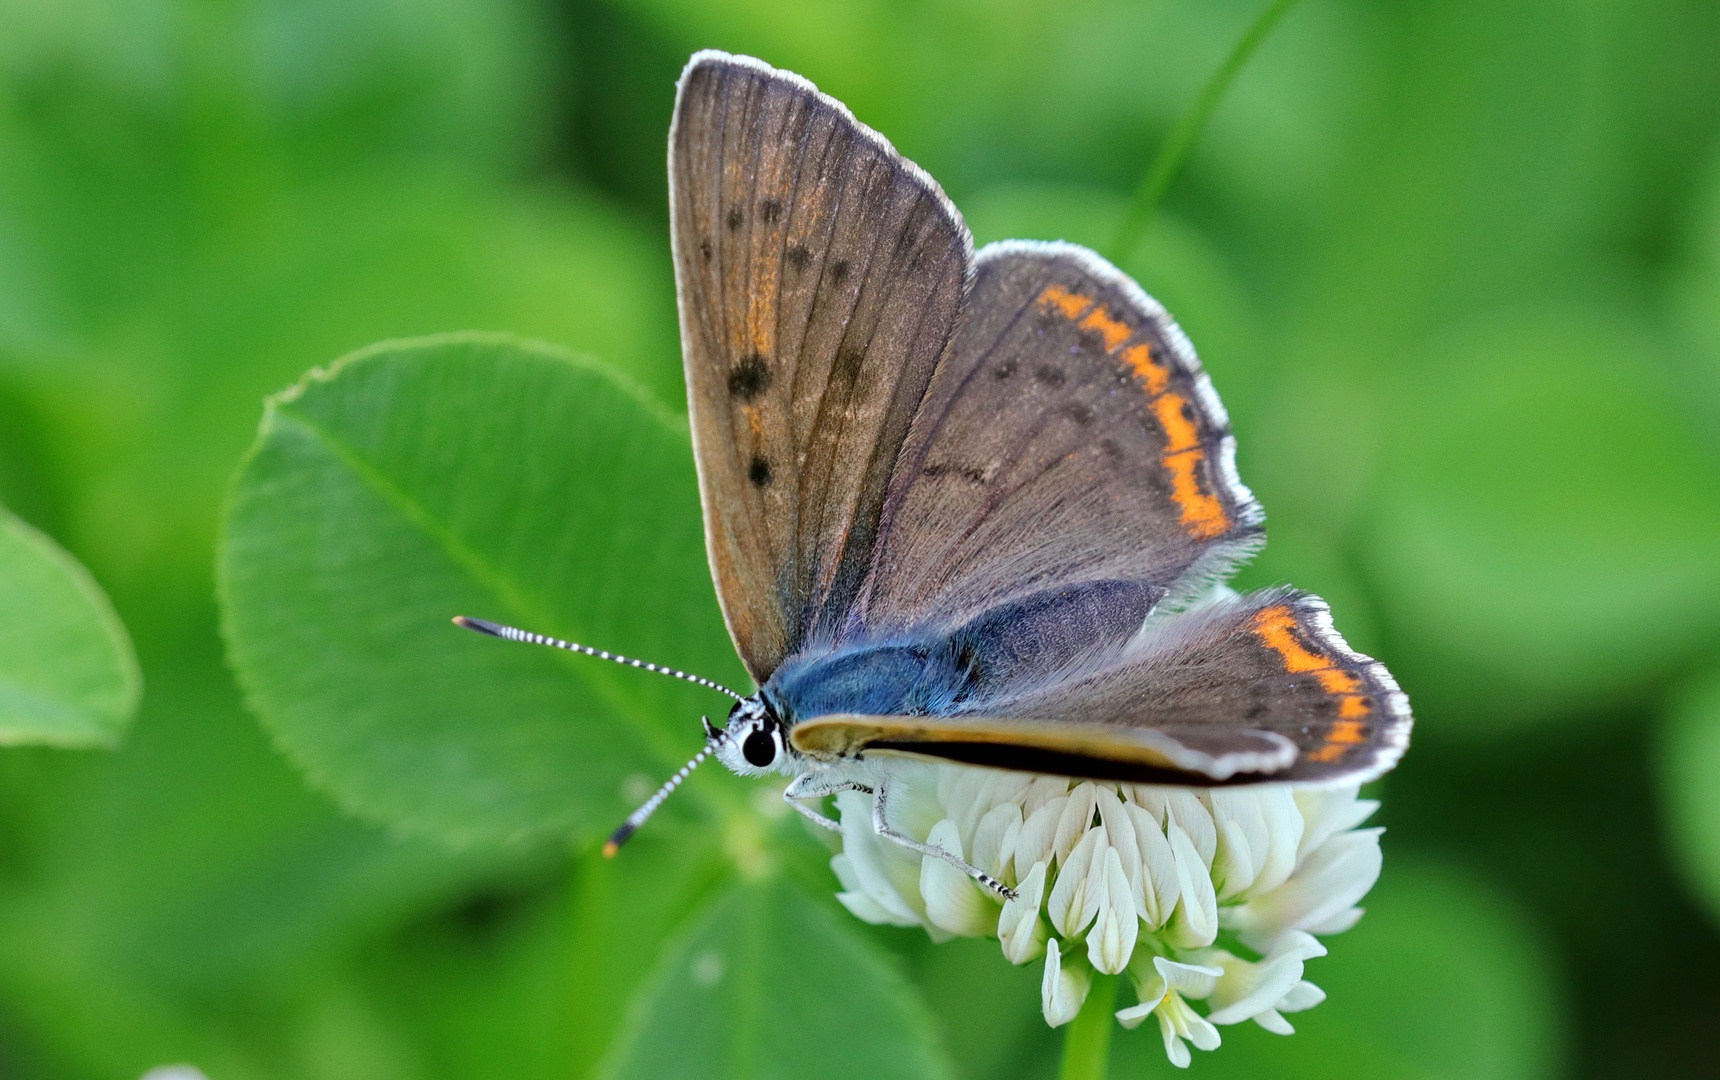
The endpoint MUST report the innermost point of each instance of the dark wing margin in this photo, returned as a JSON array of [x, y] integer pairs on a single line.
[[1070, 435], [1252, 689], [819, 275]]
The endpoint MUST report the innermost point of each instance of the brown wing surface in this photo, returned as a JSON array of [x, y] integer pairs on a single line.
[[1253, 689], [819, 276], [1070, 436]]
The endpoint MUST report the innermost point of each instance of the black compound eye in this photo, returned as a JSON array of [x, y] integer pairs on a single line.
[[759, 748]]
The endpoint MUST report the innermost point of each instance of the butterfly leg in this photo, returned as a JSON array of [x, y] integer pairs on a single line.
[[881, 826], [809, 786]]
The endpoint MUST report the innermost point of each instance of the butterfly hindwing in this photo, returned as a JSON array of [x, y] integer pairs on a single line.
[[819, 276], [1241, 690], [1070, 436]]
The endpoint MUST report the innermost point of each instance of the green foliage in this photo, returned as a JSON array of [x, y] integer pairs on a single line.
[[471, 475], [1455, 268], [1689, 758], [745, 992], [67, 673], [1555, 621]]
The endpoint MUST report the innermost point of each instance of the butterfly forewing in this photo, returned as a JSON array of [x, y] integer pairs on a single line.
[[1070, 436], [819, 277]]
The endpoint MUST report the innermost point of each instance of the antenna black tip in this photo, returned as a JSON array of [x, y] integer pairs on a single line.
[[617, 838], [482, 626]]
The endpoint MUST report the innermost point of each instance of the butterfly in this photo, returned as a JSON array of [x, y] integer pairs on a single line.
[[960, 507]]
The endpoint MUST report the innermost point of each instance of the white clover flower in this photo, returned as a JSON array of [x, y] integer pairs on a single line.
[[1209, 900]]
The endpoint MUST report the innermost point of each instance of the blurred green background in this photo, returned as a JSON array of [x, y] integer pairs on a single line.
[[1454, 266]]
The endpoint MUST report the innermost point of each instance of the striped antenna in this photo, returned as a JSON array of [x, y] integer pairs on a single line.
[[641, 815], [484, 626]]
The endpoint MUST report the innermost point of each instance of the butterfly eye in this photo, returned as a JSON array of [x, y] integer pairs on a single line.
[[759, 748]]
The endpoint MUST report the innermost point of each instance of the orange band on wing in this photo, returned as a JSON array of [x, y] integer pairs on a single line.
[[1113, 331], [1180, 432], [1070, 304], [1274, 627], [1203, 515], [1337, 681], [1140, 360]]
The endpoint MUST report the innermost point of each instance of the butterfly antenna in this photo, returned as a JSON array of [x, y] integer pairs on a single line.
[[484, 626], [643, 814]]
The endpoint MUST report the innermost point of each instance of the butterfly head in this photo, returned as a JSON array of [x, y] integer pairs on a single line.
[[755, 741]]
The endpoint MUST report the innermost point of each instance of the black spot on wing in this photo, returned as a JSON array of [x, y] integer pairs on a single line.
[[839, 271], [759, 472], [749, 378], [1079, 413], [770, 209], [1050, 375], [846, 368], [798, 257], [734, 218], [1003, 370]]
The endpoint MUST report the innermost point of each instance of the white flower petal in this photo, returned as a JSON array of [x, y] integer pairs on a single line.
[[1188, 980], [844, 870], [954, 901], [1249, 988], [914, 805], [1338, 923], [998, 788], [1284, 831], [1273, 1022], [1112, 940], [1202, 1034], [1241, 810], [1182, 806], [1039, 832], [878, 872], [1232, 865], [1304, 995], [1150, 990], [1159, 883], [1011, 787], [1132, 1016], [1327, 812], [1041, 791], [863, 907], [1174, 1048], [947, 777], [1077, 817], [1120, 834], [1195, 921], [1326, 886], [1064, 988], [1006, 867], [989, 850], [1177, 1022], [1072, 905], [965, 799], [1020, 930]]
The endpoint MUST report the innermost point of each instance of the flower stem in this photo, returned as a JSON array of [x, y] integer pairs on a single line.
[[1188, 128], [1087, 1042]]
